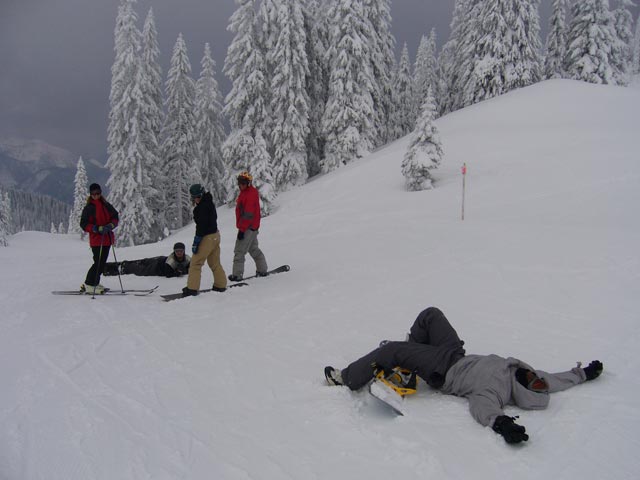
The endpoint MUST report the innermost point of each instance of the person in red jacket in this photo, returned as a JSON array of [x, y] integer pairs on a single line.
[[98, 218], [248, 223]]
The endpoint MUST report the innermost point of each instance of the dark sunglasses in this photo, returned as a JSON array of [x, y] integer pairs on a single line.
[[96, 194]]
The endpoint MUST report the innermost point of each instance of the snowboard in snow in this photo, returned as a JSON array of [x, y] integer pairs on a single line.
[[387, 395], [280, 269], [176, 296]]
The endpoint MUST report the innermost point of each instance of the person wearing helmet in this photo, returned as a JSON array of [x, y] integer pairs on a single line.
[[175, 265], [206, 243], [248, 223]]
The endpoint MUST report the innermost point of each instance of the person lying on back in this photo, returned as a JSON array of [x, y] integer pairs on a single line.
[[175, 265]]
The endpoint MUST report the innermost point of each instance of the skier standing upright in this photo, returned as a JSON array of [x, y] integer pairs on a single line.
[[98, 218], [248, 223]]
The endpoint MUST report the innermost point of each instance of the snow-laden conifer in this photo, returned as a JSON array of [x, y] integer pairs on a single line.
[[5, 219], [418, 79], [288, 95], [425, 149], [456, 58], [441, 85], [130, 185], [268, 25], [129, 182], [424, 72], [381, 47], [403, 120], [622, 51], [434, 69], [151, 123], [317, 31], [556, 44], [123, 71], [245, 68], [245, 147], [590, 41], [506, 53], [152, 74], [129, 193], [81, 184], [261, 171], [180, 146], [266, 36], [53, 228], [210, 129], [347, 122], [122, 100], [636, 48]]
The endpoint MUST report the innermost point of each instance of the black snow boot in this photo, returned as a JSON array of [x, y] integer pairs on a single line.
[[333, 376], [187, 292]]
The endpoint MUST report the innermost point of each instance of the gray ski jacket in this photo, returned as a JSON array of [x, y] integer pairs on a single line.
[[489, 383]]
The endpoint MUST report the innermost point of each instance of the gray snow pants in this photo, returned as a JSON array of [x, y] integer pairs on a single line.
[[433, 346], [249, 244]]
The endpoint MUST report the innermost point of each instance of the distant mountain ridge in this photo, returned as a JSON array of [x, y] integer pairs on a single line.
[[33, 165], [36, 151]]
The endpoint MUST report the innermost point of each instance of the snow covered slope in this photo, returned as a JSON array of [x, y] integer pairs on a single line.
[[545, 267]]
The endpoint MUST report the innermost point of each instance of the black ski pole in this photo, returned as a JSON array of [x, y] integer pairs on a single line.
[[113, 246], [93, 294]]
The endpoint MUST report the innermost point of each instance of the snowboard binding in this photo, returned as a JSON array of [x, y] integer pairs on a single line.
[[401, 380]]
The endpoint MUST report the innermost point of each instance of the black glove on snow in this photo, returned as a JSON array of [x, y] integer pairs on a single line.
[[593, 370], [240, 235], [511, 431]]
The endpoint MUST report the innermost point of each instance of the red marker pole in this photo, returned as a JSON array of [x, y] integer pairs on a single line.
[[464, 176]]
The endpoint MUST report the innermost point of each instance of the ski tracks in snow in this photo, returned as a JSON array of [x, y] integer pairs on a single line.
[[149, 397]]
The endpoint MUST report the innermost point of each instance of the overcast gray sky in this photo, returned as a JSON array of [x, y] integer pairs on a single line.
[[56, 55]]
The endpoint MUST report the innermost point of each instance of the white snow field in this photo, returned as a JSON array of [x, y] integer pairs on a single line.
[[545, 267]]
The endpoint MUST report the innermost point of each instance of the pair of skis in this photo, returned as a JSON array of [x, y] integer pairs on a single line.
[[280, 269], [107, 291]]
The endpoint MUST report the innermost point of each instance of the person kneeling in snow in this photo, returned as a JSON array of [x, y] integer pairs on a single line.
[[175, 265], [434, 352]]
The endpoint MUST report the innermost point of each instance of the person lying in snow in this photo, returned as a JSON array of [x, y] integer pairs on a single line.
[[434, 352], [175, 265]]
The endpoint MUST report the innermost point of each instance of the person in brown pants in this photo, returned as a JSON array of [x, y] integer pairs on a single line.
[[206, 243]]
